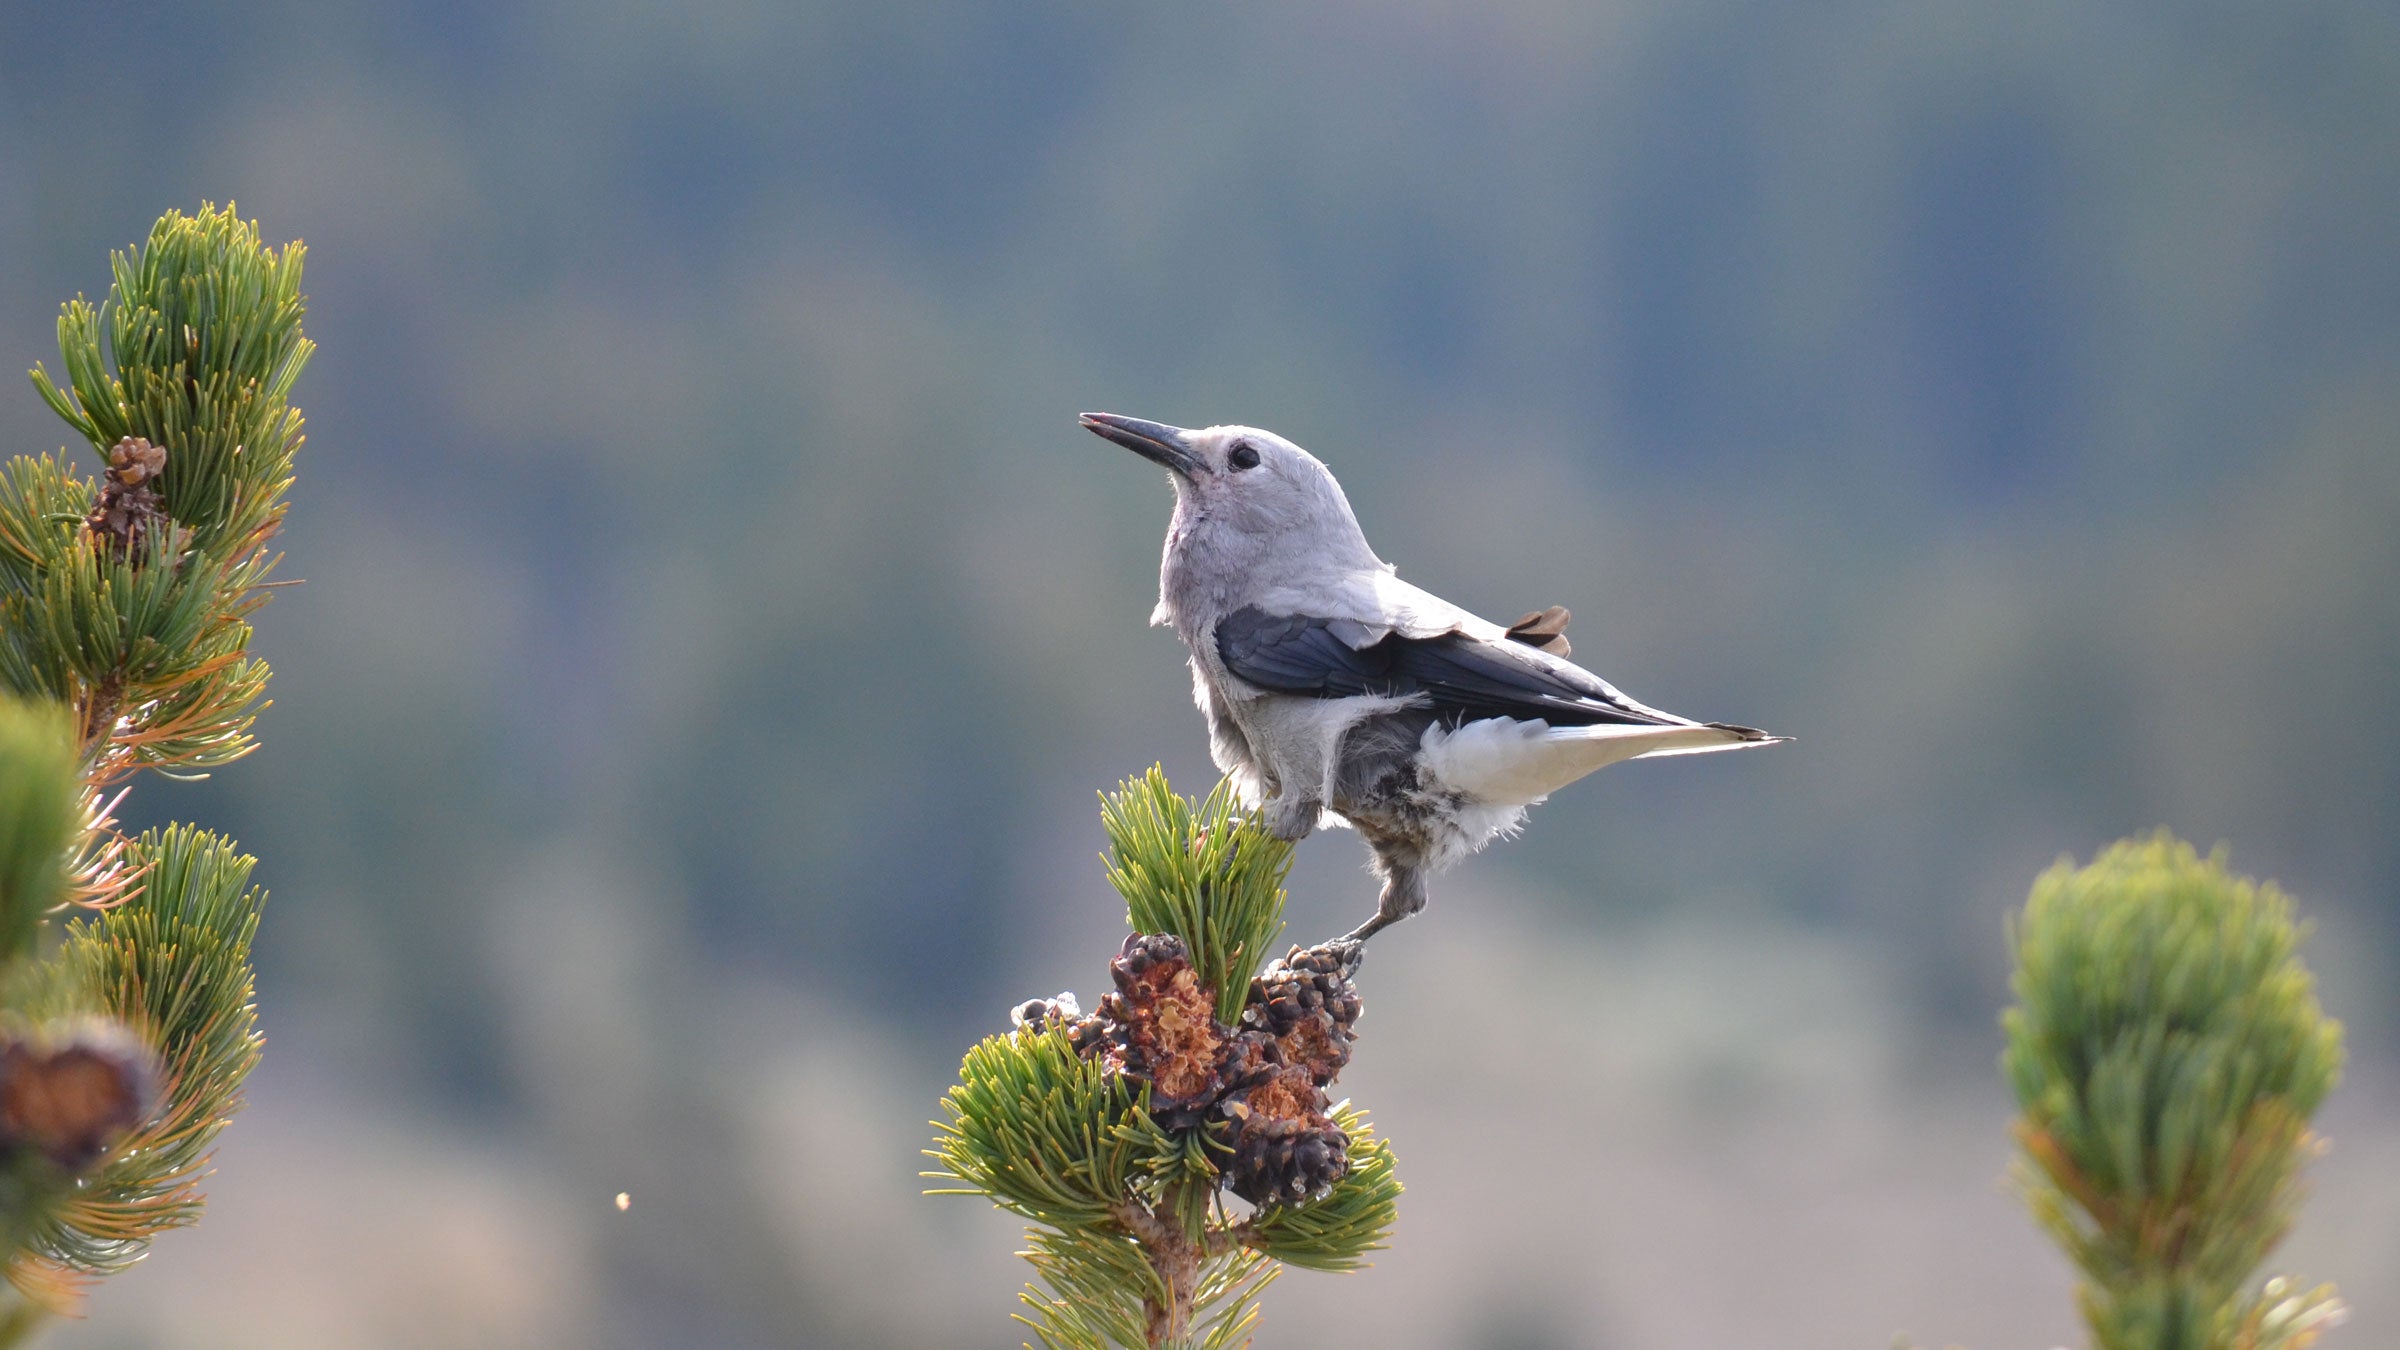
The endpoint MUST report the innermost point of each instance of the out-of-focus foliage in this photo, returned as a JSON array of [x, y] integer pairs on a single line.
[[173, 961], [180, 380], [39, 788], [197, 347], [2168, 1050], [124, 600]]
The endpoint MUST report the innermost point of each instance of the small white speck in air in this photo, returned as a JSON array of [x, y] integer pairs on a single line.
[[624, 1201]]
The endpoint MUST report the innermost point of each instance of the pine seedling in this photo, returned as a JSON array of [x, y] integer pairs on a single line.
[[1118, 1135], [2168, 1051], [127, 1029]]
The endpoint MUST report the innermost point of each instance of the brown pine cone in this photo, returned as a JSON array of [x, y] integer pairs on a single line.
[[1172, 1038], [1097, 1035], [73, 1099], [129, 511], [1036, 1012], [134, 461], [1286, 1147], [1307, 1001]]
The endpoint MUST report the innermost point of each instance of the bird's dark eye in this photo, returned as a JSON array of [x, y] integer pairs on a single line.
[[1244, 456]]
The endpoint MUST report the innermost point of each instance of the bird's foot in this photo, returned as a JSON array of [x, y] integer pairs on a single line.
[[1346, 950]]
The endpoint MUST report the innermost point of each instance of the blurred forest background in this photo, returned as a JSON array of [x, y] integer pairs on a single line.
[[716, 626]]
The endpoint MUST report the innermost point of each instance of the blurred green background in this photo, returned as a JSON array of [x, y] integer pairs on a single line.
[[716, 626]]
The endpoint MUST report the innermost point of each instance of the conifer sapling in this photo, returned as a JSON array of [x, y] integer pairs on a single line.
[[1118, 1135]]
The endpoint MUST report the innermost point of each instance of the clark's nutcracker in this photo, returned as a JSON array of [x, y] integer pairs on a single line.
[[1335, 692]]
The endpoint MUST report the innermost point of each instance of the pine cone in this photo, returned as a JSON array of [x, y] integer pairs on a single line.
[[1035, 1012], [134, 461], [1097, 1035], [71, 1101], [1288, 1161], [1252, 1058], [1307, 1002], [1286, 1147], [129, 511], [1172, 1038]]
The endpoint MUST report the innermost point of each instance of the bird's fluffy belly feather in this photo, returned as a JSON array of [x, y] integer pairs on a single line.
[[1298, 737]]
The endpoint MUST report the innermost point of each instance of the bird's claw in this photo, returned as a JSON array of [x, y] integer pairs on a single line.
[[1351, 952]]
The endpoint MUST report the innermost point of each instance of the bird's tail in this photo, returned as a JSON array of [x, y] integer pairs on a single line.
[[1728, 737], [1504, 761]]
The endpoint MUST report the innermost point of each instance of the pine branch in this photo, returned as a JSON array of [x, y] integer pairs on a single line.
[[124, 627], [1048, 1135], [1117, 1134], [2168, 1050], [128, 599], [197, 348], [1198, 874]]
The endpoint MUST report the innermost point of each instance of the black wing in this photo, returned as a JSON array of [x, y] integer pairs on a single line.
[[1461, 678]]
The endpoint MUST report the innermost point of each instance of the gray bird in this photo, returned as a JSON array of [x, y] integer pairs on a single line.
[[1337, 693]]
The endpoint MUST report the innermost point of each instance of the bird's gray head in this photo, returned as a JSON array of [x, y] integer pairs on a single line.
[[1247, 485]]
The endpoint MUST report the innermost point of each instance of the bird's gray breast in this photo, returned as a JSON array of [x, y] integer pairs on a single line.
[[1229, 745]]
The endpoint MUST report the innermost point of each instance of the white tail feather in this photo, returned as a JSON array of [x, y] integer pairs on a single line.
[[1506, 762]]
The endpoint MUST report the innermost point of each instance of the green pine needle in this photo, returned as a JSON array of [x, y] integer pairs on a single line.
[[1228, 1299], [1090, 1292], [173, 962], [42, 506], [1047, 1135], [1208, 873], [196, 348]]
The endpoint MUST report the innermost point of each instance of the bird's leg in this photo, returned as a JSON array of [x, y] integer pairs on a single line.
[[1290, 817], [1368, 929], [1403, 895]]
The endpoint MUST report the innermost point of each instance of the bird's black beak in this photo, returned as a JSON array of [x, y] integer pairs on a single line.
[[1153, 441]]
